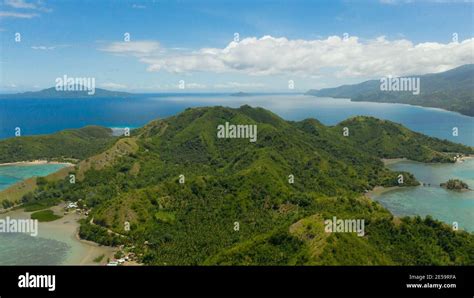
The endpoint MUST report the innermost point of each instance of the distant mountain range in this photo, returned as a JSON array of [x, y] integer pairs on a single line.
[[451, 90], [53, 93]]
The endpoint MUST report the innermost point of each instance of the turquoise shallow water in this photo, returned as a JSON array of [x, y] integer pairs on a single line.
[[448, 206], [22, 249], [11, 174], [55, 244]]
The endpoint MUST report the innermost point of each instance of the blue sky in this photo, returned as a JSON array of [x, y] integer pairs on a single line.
[[193, 41]]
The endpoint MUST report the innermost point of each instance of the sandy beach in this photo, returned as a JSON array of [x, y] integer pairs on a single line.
[[464, 158], [65, 230], [34, 162], [389, 161], [378, 190]]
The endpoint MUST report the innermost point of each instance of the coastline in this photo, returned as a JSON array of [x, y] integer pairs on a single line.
[[389, 161], [14, 192], [35, 162], [378, 190], [464, 158], [65, 229], [444, 205]]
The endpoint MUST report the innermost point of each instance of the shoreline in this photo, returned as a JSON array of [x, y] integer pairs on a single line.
[[464, 158], [35, 162], [378, 190], [390, 161], [66, 230], [14, 191]]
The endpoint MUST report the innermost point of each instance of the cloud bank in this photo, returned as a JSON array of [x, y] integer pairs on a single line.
[[344, 57]]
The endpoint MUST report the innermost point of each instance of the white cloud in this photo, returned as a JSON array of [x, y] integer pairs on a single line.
[[138, 6], [22, 4], [50, 48], [19, 4], [307, 58], [110, 85], [237, 85], [135, 48], [193, 86], [43, 48], [11, 14]]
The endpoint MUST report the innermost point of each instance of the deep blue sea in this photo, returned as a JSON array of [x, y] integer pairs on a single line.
[[41, 116]]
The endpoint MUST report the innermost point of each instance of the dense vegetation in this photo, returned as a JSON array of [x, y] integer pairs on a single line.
[[455, 184], [386, 139], [46, 194], [44, 215], [75, 143], [450, 90], [238, 203]]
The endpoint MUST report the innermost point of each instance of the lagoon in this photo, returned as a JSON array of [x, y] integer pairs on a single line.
[[56, 244], [13, 173], [446, 205]]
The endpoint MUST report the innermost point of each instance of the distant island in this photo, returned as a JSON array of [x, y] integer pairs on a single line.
[[53, 93], [451, 90], [241, 94], [455, 184]]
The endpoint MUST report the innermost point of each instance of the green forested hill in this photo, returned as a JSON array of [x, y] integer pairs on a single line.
[[74, 143], [234, 182], [386, 139], [451, 90]]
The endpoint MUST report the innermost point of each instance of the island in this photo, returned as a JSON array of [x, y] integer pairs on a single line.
[[455, 184], [241, 94], [53, 93]]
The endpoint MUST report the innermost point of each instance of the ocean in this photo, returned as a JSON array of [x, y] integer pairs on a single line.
[[43, 116]]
